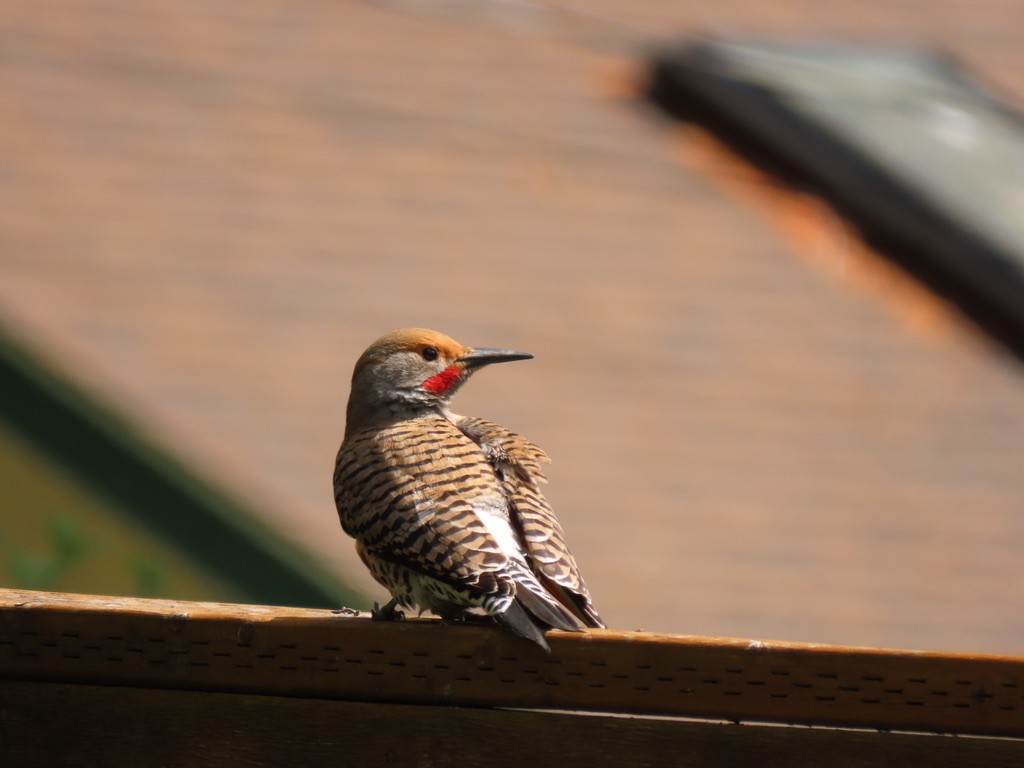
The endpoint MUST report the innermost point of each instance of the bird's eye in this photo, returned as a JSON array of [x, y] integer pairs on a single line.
[[429, 353]]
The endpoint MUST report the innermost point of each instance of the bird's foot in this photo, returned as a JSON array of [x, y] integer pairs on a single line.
[[386, 612], [345, 611]]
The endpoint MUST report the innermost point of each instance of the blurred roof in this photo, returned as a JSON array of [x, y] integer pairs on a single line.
[[208, 209]]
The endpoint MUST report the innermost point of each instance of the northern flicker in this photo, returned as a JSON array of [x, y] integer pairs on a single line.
[[446, 510]]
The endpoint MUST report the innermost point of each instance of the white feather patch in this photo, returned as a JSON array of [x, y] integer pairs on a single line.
[[498, 525]]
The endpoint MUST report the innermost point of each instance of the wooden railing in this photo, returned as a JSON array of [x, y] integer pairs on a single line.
[[122, 681]]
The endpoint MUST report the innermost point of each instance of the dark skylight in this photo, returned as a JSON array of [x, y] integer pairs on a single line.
[[905, 142]]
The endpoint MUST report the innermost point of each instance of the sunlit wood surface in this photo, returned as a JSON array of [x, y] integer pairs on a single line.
[[267, 680]]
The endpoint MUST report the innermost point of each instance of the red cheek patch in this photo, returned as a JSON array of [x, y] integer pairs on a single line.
[[442, 381]]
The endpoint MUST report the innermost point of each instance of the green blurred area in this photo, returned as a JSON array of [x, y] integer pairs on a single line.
[[91, 502], [57, 534]]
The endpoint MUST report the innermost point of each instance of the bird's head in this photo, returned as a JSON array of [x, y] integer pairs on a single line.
[[414, 369]]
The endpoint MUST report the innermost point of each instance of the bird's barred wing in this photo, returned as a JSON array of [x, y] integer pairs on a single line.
[[404, 494], [519, 465]]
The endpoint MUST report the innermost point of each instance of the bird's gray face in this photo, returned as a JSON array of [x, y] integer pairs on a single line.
[[421, 374], [406, 373], [415, 369]]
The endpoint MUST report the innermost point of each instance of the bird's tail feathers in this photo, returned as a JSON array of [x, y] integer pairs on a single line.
[[519, 622], [594, 618], [578, 605], [546, 609], [531, 612]]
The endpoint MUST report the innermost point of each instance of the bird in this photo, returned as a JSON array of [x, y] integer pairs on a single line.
[[446, 510]]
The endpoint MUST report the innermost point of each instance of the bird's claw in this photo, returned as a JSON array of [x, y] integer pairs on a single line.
[[386, 612]]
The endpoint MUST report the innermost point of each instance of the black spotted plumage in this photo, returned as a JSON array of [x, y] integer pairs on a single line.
[[447, 511], [518, 464]]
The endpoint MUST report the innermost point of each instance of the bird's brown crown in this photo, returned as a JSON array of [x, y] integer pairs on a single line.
[[406, 372], [412, 340]]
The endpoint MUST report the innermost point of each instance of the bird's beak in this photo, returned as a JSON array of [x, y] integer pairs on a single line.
[[486, 355]]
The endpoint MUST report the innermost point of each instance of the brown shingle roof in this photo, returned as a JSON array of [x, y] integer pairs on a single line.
[[209, 209]]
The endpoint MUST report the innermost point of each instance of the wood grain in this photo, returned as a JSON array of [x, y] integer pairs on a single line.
[[316, 654], [56, 724]]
